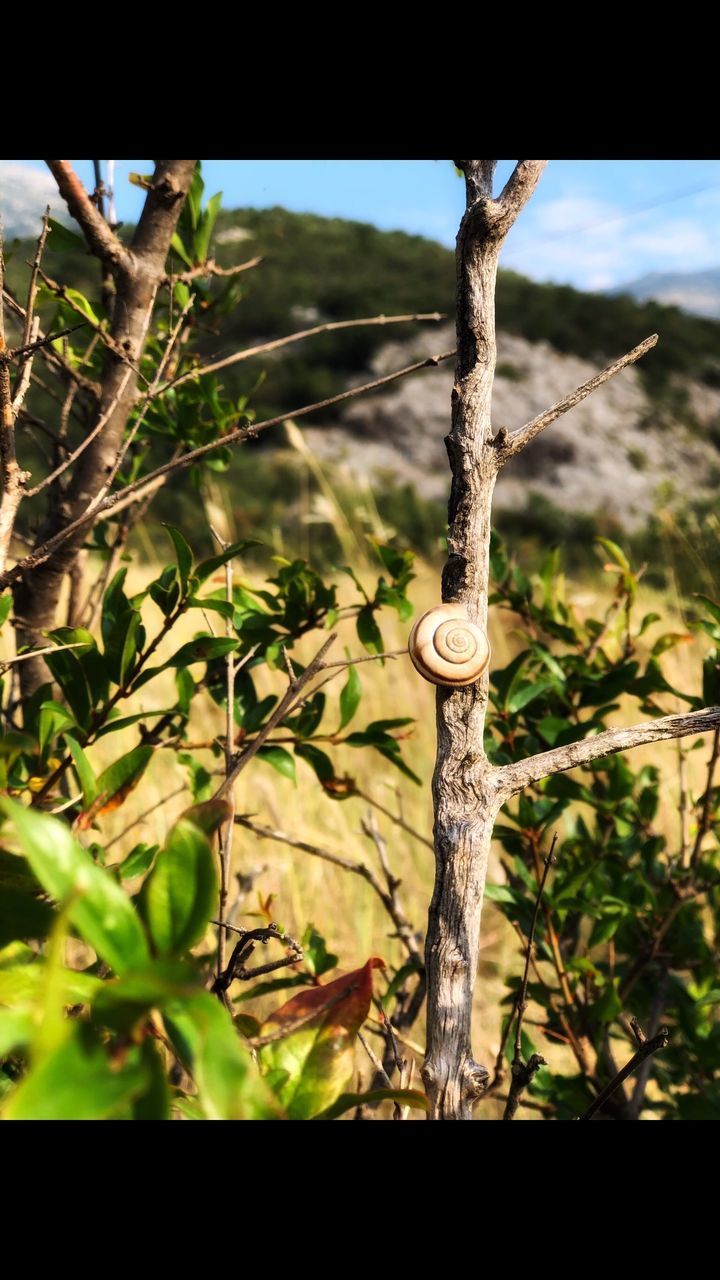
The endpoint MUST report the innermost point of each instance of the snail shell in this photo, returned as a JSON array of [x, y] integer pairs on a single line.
[[446, 648]]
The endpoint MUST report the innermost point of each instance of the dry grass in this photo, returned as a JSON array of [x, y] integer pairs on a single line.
[[305, 889]]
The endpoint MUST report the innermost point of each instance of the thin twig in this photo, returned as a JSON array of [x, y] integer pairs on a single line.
[[264, 347], [241, 434], [283, 709], [522, 1073], [356, 868], [649, 1047], [394, 817], [209, 268], [510, 445]]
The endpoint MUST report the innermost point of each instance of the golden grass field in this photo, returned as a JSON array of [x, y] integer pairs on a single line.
[[342, 906]]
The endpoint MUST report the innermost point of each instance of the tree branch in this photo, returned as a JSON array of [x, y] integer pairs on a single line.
[[650, 1046], [114, 501], [284, 342], [283, 709], [209, 268], [515, 777], [101, 240], [509, 446]]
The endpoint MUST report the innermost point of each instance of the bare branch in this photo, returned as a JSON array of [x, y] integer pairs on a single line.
[[264, 347], [132, 491], [509, 446], [209, 268], [514, 777], [649, 1047], [101, 240], [99, 425], [391, 901], [494, 218], [518, 190], [346, 864], [13, 477], [397, 818]]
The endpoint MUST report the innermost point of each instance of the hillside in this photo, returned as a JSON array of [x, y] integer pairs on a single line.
[[643, 445]]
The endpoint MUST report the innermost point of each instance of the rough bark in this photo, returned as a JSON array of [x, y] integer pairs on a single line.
[[138, 272], [465, 789]]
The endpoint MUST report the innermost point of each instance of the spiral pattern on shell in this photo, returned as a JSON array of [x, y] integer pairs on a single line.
[[447, 649]]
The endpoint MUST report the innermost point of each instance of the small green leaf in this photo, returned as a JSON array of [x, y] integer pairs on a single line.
[[183, 553], [62, 237], [280, 759], [116, 782], [350, 697], [368, 630], [83, 769], [208, 567], [181, 892], [137, 861]]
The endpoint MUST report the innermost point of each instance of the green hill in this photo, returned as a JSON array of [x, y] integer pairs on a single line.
[[333, 269]]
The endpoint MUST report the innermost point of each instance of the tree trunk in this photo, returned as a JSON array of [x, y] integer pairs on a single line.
[[138, 272], [466, 793]]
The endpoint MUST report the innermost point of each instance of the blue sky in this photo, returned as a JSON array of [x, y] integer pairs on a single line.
[[592, 223]]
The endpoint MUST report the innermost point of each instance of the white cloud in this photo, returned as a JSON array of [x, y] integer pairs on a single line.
[[24, 196], [596, 244]]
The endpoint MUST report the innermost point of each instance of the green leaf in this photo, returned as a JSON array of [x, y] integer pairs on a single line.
[[123, 722], [204, 648], [116, 782], [349, 1101], [280, 759], [78, 1082], [137, 861], [201, 239], [83, 769], [616, 553], [5, 607], [62, 237], [526, 694], [368, 630], [317, 759], [181, 892], [208, 567], [52, 718], [82, 304], [350, 697], [228, 1084], [176, 243], [99, 909], [80, 672], [184, 555], [312, 1065], [318, 960]]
